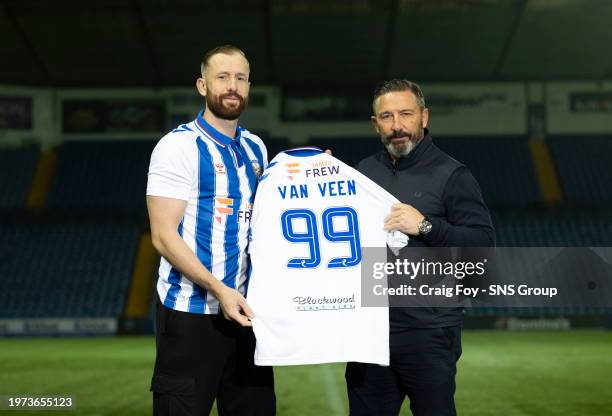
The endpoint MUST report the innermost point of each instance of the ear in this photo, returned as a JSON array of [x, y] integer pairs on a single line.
[[374, 124], [201, 86], [425, 117]]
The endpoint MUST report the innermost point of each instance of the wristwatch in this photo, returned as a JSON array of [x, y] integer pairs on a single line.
[[425, 226]]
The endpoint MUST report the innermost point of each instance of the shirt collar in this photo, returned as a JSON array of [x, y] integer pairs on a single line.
[[303, 151], [214, 134]]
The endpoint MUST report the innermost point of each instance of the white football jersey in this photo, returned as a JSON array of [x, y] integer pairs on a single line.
[[312, 216]]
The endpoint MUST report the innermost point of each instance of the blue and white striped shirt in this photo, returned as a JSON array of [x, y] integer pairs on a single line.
[[217, 175]]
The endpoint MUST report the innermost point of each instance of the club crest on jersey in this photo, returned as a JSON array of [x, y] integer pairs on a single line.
[[292, 169], [220, 168], [256, 168]]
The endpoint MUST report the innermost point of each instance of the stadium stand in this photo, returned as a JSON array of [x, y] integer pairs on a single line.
[[101, 175], [583, 163], [84, 268], [66, 270], [17, 168], [502, 166], [546, 229], [554, 230]]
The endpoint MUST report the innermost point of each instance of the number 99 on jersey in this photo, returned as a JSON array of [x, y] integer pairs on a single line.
[[309, 234]]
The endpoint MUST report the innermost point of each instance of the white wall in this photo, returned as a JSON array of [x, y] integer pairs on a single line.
[[44, 118], [562, 120], [476, 109], [456, 109]]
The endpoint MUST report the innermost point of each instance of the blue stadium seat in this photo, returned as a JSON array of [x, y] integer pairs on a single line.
[[17, 168], [569, 230], [66, 271], [101, 175], [502, 165], [561, 230], [583, 163]]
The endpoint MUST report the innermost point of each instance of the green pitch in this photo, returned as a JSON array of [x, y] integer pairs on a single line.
[[500, 373]]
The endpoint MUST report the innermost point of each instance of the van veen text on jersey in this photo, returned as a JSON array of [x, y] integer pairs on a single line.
[[333, 188]]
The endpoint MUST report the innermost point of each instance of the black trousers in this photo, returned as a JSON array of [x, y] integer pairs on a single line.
[[423, 365], [201, 358]]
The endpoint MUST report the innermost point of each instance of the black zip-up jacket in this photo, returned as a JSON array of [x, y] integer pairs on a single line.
[[444, 191]]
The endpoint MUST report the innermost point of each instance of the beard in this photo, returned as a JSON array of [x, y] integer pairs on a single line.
[[215, 104], [407, 145]]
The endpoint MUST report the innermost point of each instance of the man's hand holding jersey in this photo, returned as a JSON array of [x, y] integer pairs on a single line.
[[404, 218], [234, 305], [165, 215]]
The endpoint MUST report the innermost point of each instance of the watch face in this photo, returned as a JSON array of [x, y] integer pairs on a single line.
[[425, 227]]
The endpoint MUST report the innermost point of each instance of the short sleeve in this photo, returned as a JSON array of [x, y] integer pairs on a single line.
[[170, 171]]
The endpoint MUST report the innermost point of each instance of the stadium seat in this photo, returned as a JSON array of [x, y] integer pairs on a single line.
[[17, 168], [101, 175], [502, 165], [586, 229], [562, 230], [69, 270], [583, 163]]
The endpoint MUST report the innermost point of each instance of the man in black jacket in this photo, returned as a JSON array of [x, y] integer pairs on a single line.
[[441, 206]]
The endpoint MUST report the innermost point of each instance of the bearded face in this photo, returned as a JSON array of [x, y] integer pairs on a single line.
[[400, 142], [400, 121], [225, 84], [226, 106]]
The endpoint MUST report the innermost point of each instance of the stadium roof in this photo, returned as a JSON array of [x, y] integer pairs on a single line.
[[304, 42]]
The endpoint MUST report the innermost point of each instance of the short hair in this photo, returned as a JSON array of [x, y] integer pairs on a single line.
[[226, 49], [395, 85]]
